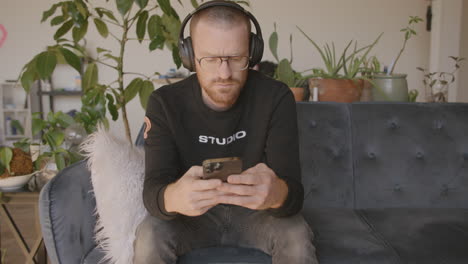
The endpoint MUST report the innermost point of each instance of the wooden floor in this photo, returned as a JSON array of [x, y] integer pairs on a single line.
[[25, 218]]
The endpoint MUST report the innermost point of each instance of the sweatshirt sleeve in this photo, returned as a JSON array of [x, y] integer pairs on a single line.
[[161, 158], [282, 154]]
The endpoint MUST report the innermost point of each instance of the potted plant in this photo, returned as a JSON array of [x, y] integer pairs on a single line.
[[55, 146], [436, 84], [390, 86], [284, 71], [339, 81]]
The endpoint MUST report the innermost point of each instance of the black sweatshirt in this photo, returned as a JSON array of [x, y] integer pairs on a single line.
[[260, 127]]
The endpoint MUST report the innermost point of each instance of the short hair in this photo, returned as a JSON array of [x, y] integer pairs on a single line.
[[221, 15]]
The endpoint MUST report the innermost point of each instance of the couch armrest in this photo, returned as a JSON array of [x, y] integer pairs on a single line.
[[67, 214]]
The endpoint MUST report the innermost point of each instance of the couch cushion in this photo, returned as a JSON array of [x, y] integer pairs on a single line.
[[423, 235], [410, 155], [325, 153], [342, 236]]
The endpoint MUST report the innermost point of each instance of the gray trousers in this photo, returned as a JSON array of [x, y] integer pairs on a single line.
[[287, 240]]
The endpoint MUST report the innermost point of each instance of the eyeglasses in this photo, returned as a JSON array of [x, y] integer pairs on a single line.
[[212, 63]]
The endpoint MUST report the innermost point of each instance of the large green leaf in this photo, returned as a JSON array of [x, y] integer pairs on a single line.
[[176, 57], [167, 8], [54, 138], [285, 72], [112, 108], [37, 126], [142, 3], [63, 29], [132, 89], [80, 32], [57, 20], [124, 6], [101, 27], [141, 25], [194, 3], [6, 155], [28, 76], [59, 160], [71, 58], [172, 27], [45, 64], [108, 13], [64, 120], [145, 93], [50, 12], [90, 77], [274, 44], [154, 26], [157, 43]]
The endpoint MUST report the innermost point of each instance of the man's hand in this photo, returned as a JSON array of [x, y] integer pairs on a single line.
[[257, 188], [191, 195]]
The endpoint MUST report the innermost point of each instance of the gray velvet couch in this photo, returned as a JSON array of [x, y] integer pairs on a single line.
[[384, 183]]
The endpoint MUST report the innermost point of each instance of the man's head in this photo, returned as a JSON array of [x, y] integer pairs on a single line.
[[220, 38]]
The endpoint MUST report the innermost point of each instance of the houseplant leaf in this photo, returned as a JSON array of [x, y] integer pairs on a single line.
[[6, 155], [71, 58], [145, 93], [132, 89], [63, 29], [142, 3], [141, 25], [79, 32], [124, 6], [286, 73], [45, 64], [101, 27], [90, 77]]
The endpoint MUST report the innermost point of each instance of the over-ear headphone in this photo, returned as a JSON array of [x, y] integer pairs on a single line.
[[185, 44]]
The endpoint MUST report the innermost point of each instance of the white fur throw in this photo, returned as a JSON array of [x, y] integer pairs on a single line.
[[117, 174]]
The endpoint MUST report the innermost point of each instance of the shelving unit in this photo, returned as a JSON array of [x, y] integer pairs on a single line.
[[14, 105]]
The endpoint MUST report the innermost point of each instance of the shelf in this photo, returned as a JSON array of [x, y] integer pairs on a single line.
[[61, 93], [7, 137], [15, 110]]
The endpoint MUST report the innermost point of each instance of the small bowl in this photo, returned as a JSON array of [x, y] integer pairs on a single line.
[[15, 183]]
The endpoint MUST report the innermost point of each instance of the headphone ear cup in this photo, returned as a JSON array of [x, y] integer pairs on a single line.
[[186, 54], [256, 49]]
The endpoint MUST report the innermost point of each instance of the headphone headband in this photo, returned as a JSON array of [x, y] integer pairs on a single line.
[[185, 44]]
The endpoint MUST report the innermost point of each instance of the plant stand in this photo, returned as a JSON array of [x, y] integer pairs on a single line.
[[24, 198]]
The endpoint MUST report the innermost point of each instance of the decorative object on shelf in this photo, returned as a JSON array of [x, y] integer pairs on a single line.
[[15, 114], [157, 22], [390, 86], [437, 84], [284, 71], [339, 81]]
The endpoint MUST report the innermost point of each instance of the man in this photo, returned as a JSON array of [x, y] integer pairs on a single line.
[[224, 110]]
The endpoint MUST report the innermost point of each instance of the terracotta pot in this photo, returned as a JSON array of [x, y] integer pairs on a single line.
[[298, 93], [337, 90]]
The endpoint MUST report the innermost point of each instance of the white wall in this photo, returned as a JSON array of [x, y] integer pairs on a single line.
[[325, 20], [463, 74], [446, 39]]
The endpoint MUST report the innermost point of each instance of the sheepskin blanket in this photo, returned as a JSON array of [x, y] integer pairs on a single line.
[[117, 174]]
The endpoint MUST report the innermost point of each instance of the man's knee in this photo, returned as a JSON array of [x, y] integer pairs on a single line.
[[153, 232], [293, 232]]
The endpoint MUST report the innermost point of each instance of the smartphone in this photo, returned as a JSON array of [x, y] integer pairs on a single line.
[[221, 168]]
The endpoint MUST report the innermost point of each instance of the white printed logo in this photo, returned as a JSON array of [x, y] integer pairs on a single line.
[[222, 141]]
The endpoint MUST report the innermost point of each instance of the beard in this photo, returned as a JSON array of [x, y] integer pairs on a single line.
[[223, 93]]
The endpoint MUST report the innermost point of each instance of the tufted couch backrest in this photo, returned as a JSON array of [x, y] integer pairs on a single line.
[[383, 155]]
